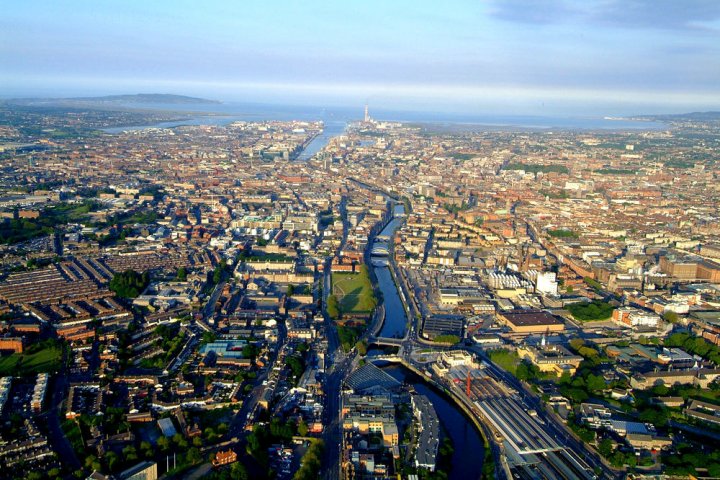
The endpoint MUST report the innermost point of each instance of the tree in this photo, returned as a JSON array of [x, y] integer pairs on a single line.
[[576, 343], [596, 383], [361, 348], [302, 428], [193, 455], [588, 353], [333, 307], [210, 435], [605, 447], [670, 316], [296, 366], [130, 453], [164, 443], [181, 274], [89, 460], [290, 290], [147, 449], [250, 351], [656, 417], [112, 460], [522, 372], [129, 284], [239, 472]]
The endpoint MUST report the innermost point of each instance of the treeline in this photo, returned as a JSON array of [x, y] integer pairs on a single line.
[[694, 345]]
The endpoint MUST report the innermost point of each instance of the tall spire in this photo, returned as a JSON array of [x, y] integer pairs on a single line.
[[367, 113]]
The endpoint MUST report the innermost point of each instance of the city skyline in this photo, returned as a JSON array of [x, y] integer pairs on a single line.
[[482, 57]]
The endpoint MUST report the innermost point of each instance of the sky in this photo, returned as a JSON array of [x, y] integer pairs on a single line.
[[535, 57]]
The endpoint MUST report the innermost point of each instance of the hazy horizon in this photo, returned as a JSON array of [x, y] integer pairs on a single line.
[[494, 57]]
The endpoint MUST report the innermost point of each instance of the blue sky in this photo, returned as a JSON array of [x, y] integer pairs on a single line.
[[514, 56]]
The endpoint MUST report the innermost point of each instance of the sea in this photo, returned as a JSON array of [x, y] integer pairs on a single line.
[[337, 118]]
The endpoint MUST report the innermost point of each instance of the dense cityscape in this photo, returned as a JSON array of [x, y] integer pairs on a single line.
[[254, 299], [322, 240]]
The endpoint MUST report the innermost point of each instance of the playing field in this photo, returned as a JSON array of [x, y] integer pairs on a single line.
[[45, 360], [354, 292]]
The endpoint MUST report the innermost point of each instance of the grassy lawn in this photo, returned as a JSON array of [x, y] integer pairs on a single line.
[[354, 292], [505, 359], [45, 360]]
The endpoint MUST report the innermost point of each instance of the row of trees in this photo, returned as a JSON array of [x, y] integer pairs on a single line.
[[310, 463], [694, 345], [333, 307]]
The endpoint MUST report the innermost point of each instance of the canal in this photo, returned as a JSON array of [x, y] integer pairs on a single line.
[[468, 456]]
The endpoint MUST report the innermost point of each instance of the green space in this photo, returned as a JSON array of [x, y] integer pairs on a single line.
[[296, 364], [533, 168], [171, 342], [450, 339], [680, 164], [592, 283], [302, 289], [144, 217], [310, 462], [264, 257], [562, 233], [615, 171], [265, 435], [40, 357], [505, 359], [348, 337], [587, 312], [354, 291], [24, 229], [129, 284], [456, 208], [554, 194], [462, 156], [220, 270], [688, 459], [694, 345]]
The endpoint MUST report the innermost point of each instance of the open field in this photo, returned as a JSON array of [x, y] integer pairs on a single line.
[[45, 360], [354, 292]]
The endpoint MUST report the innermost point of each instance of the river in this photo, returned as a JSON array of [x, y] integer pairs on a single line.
[[331, 129], [468, 456], [395, 322]]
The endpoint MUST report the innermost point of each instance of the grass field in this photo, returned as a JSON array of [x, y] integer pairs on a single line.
[[505, 359], [354, 292], [19, 364]]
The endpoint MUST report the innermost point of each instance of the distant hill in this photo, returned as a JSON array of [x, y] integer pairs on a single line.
[[114, 100], [693, 116], [678, 117], [164, 98]]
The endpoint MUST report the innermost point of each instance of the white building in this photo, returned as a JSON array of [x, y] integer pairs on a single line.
[[546, 283]]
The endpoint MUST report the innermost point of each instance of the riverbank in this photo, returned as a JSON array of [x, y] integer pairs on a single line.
[[472, 458]]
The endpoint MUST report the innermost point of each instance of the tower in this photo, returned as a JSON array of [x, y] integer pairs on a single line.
[[367, 113]]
